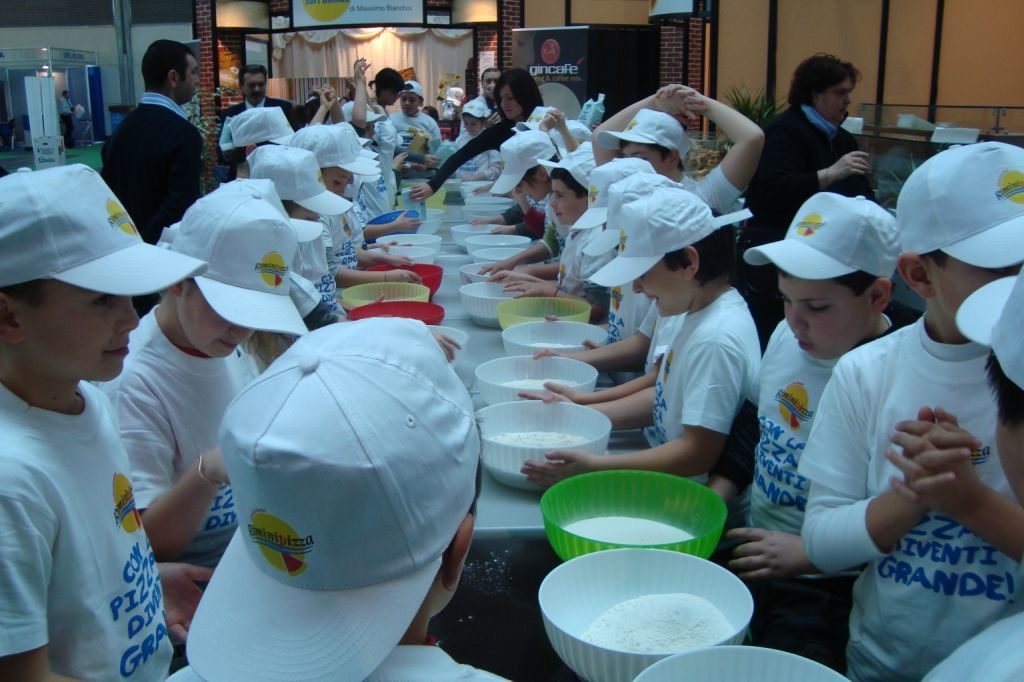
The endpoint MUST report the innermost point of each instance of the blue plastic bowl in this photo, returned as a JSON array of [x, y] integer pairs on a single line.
[[392, 217]]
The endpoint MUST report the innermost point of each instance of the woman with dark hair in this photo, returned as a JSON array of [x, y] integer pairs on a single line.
[[805, 152], [517, 95]]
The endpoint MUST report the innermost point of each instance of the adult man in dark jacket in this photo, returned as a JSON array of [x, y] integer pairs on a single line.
[[154, 160], [253, 80]]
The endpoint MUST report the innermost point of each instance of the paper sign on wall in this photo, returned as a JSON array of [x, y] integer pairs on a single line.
[[307, 13]]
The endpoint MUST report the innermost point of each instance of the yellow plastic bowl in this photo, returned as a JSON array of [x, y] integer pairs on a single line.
[[364, 294], [522, 310]]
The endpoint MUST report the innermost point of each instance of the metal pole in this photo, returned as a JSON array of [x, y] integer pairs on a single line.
[[122, 10]]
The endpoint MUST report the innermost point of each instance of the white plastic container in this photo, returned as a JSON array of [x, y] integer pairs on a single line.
[[560, 335], [493, 376], [429, 241], [470, 273], [417, 254], [495, 255], [504, 461], [730, 663], [461, 232], [451, 262], [574, 594], [481, 300], [475, 243]]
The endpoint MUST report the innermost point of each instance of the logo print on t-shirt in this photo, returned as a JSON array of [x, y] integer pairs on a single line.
[[280, 545], [794, 404], [810, 224], [272, 269], [668, 362], [616, 297], [119, 218], [126, 515], [1011, 186]]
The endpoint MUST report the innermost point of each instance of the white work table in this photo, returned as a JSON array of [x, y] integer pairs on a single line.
[[501, 511]]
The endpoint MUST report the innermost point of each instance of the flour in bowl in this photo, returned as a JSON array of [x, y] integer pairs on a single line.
[[530, 384], [658, 624], [554, 346], [627, 530], [539, 439]]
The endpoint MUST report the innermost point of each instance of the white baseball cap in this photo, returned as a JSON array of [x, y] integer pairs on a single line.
[[297, 177], [334, 146], [992, 316], [620, 193], [648, 127], [666, 220], [352, 465], [305, 230], [967, 202], [248, 247], [476, 109], [413, 87], [601, 178], [520, 153], [371, 115], [65, 224], [580, 163], [256, 125], [577, 129], [832, 236]]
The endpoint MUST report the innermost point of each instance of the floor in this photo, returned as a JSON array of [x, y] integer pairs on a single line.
[[89, 155]]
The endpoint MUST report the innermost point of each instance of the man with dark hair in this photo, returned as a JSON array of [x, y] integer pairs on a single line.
[[387, 86], [253, 81], [153, 162]]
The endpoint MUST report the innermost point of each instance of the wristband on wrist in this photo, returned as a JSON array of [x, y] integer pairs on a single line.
[[199, 470]]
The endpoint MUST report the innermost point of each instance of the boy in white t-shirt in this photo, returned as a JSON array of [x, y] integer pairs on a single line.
[[672, 251], [833, 274], [82, 597], [484, 166], [355, 467], [930, 583], [936, 463], [177, 384], [411, 119]]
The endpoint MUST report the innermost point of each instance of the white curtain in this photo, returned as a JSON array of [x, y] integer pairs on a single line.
[[331, 53]]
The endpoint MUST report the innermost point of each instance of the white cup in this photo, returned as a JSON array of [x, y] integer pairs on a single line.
[[410, 205]]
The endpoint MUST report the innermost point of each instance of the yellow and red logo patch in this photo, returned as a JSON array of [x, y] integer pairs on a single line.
[[794, 404], [593, 195], [616, 297], [810, 224], [1011, 186], [623, 238], [280, 545], [119, 218], [629, 126], [126, 514], [272, 269]]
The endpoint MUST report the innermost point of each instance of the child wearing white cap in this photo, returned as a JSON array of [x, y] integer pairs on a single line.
[[833, 270], [652, 129], [81, 594], [483, 166], [251, 128], [355, 468], [960, 220], [300, 184], [411, 119], [937, 471], [671, 250], [176, 384]]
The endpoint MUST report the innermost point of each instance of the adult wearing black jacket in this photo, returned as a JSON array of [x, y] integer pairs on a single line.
[[253, 81], [518, 94], [805, 152]]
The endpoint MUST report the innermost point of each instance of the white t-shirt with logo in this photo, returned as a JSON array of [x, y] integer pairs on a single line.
[[576, 267], [346, 238], [488, 162], [993, 655], [408, 125], [709, 369], [941, 584], [169, 407], [660, 330], [714, 189], [626, 311], [77, 574], [426, 664], [311, 262], [788, 398], [371, 197]]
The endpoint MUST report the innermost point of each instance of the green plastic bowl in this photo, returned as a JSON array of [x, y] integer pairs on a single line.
[[648, 495], [531, 309]]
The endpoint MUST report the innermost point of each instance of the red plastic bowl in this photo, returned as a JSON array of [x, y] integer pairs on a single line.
[[430, 274], [428, 313]]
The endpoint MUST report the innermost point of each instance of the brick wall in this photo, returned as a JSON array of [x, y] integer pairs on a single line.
[[280, 7], [510, 17], [695, 77], [207, 103], [671, 53]]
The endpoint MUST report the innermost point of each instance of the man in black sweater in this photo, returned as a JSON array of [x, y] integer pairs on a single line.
[[153, 163]]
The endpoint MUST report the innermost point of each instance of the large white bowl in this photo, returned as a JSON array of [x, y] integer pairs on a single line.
[[503, 462], [461, 232], [480, 211], [574, 594], [471, 273], [467, 188], [481, 300], [489, 201], [452, 261], [479, 242], [563, 336], [492, 376], [460, 364], [429, 241], [497, 254], [732, 663], [417, 254], [429, 226]]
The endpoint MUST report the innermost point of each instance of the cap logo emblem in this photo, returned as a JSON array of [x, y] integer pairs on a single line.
[[810, 224], [794, 404], [272, 269], [126, 514], [320, 179], [593, 195], [119, 218], [629, 126], [1011, 186], [280, 545], [623, 238]]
